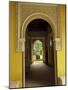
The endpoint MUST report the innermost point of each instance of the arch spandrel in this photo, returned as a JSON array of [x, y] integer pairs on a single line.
[[30, 18]]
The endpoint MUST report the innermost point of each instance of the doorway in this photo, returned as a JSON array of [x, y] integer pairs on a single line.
[[39, 54], [37, 50]]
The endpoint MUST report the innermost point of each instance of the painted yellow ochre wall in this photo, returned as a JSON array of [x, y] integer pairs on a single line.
[[15, 57], [61, 54]]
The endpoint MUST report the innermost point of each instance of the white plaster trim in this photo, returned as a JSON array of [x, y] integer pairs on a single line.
[[18, 20]]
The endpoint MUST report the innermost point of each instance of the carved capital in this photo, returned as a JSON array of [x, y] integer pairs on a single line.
[[58, 43], [21, 45]]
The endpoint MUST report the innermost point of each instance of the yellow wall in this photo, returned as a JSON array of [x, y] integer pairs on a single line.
[[61, 53], [15, 57]]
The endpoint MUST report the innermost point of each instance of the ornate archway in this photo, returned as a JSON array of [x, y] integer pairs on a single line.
[[37, 16], [21, 40]]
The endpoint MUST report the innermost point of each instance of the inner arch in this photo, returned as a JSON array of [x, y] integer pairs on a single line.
[[36, 16], [39, 30]]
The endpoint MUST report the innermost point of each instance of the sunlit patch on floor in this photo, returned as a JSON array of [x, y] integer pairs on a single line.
[[37, 62]]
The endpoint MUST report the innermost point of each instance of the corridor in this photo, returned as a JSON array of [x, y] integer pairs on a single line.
[[40, 75], [39, 48]]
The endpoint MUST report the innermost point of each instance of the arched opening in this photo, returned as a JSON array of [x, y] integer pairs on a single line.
[[39, 47], [37, 52]]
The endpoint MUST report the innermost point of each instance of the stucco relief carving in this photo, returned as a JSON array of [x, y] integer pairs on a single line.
[[21, 27], [21, 45], [58, 43]]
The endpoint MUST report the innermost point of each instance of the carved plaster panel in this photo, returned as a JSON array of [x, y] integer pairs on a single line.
[[24, 11]]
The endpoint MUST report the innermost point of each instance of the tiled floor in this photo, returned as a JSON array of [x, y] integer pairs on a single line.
[[40, 75]]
